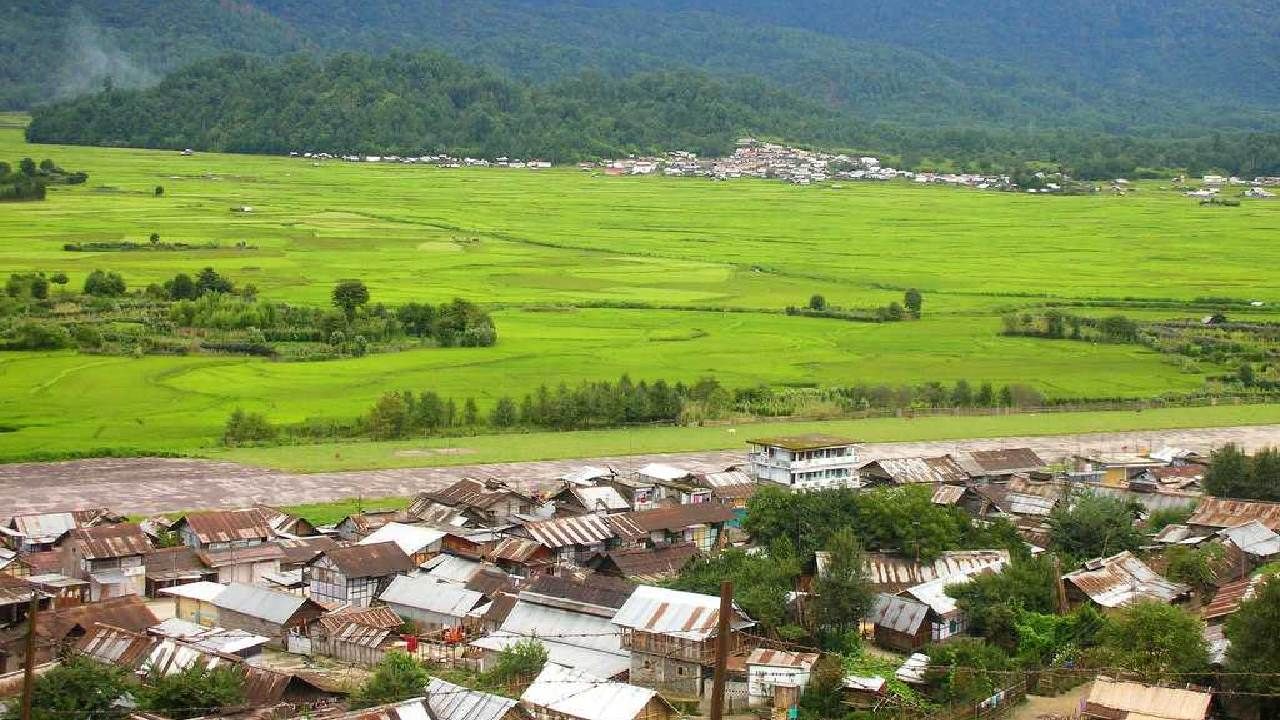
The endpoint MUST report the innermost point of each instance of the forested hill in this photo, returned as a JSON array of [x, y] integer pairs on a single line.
[[428, 102], [1093, 64]]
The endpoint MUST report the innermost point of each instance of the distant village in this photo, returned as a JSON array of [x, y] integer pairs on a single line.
[[581, 565], [754, 158]]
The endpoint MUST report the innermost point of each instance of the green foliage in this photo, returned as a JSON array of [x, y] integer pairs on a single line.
[[1232, 474], [246, 428], [995, 603], [517, 663], [1046, 640], [1089, 526], [1157, 641], [194, 692], [1193, 566], [37, 335], [102, 283], [906, 519], [844, 595], [817, 302], [914, 302], [81, 688], [396, 677], [1254, 655], [761, 581], [1163, 517], [31, 180], [966, 670], [350, 295]]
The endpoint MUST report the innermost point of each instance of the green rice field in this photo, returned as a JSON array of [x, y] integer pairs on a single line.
[[541, 247]]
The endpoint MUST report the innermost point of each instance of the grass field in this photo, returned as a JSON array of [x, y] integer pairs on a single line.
[[530, 244]]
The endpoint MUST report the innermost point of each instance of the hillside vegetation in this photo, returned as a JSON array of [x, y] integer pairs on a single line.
[[1111, 67], [425, 103]]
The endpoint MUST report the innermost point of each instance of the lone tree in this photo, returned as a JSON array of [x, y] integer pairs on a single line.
[[817, 302], [348, 296], [914, 301], [844, 594], [159, 190], [396, 677]]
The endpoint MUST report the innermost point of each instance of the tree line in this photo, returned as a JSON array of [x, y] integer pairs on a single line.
[[29, 180], [413, 104]]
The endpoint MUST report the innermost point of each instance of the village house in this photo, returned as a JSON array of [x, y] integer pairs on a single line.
[[360, 636], [359, 525], [639, 492], [645, 565], [39, 532], [60, 628], [356, 574], [109, 557], [431, 604], [1118, 580], [997, 465], [488, 503], [701, 524], [219, 530], [1256, 541], [263, 611], [732, 487], [671, 636], [900, 623], [574, 538], [299, 552], [774, 672], [1111, 699], [194, 602], [946, 619], [240, 643], [805, 462], [1228, 598], [913, 471], [172, 566], [249, 564], [674, 485], [520, 557], [581, 499], [419, 543], [1113, 470], [572, 620], [561, 693], [892, 573]]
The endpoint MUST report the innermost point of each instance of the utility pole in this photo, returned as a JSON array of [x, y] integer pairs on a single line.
[[1060, 590], [29, 665], [722, 650]]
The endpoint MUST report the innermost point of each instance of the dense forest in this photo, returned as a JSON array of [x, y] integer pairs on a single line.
[[428, 102], [1107, 67]]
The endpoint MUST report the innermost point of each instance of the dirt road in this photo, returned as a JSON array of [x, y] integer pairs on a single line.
[[149, 485]]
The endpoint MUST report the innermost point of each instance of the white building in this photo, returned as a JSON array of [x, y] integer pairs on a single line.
[[805, 462], [768, 670]]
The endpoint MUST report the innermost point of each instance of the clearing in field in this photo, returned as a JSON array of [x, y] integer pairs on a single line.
[[572, 266]]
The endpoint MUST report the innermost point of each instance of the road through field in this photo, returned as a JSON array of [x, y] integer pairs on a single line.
[[150, 485]]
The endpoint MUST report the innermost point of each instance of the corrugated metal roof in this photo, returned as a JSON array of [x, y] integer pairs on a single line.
[[434, 513], [1122, 579], [781, 658], [1148, 700], [640, 524], [424, 592], [299, 551], [381, 617], [128, 612], [1224, 513], [912, 671], [452, 568], [114, 646], [373, 560], [410, 538], [14, 591], [1151, 501], [892, 572], [266, 552], [1218, 644], [899, 614], [229, 525], [48, 527], [412, 709], [454, 702], [947, 494], [728, 478], [581, 695], [562, 532], [596, 590], [653, 564], [601, 498], [356, 634], [1176, 534], [686, 615], [516, 550], [919, 470], [263, 603], [933, 593], [206, 591], [586, 474], [110, 541], [216, 639], [1007, 460], [662, 471], [575, 656], [1229, 597], [1254, 538], [864, 684]]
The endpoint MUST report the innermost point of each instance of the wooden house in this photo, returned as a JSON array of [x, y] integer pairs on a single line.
[[356, 574]]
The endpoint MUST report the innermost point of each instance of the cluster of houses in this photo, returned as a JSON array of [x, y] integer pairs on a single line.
[[444, 161], [467, 571]]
